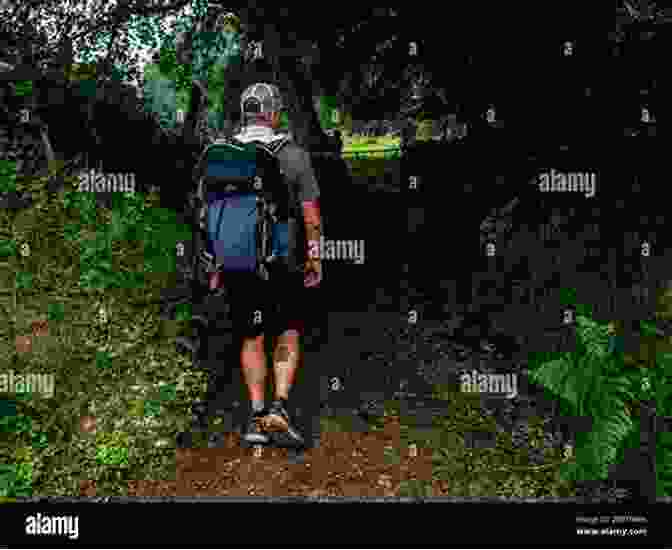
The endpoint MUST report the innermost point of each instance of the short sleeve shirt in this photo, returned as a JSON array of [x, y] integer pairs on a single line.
[[294, 162]]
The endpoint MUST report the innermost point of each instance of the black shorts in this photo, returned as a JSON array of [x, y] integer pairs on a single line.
[[267, 307]]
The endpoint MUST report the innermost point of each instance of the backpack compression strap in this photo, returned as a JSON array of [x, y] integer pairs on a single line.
[[273, 147]]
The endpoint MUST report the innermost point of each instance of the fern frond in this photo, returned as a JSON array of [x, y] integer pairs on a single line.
[[664, 362], [604, 443], [588, 465], [588, 378], [569, 471], [664, 471], [610, 396], [594, 336], [553, 375]]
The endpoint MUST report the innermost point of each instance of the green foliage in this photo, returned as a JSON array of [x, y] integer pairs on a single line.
[[212, 53], [7, 176], [11, 422], [209, 49], [24, 280], [183, 312], [8, 248], [152, 407], [56, 311], [130, 219], [284, 121], [103, 361], [23, 88], [216, 85], [160, 97], [596, 386], [595, 337], [168, 392], [112, 449], [328, 107], [662, 397], [16, 480], [168, 66]]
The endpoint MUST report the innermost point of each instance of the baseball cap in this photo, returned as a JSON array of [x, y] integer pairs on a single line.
[[261, 98]]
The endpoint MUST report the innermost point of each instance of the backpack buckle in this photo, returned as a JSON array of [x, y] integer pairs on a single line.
[[263, 270], [208, 261]]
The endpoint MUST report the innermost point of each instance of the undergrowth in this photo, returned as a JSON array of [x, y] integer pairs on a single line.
[[596, 385], [96, 275]]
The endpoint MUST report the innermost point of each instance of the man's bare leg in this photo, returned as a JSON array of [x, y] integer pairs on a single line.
[[253, 361], [285, 363]]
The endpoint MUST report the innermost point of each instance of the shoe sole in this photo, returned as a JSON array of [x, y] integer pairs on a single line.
[[256, 439]]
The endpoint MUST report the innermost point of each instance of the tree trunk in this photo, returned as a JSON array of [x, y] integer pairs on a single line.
[[303, 118], [232, 92], [192, 118], [304, 122]]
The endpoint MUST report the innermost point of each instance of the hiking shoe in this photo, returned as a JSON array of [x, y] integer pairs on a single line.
[[278, 423], [254, 432]]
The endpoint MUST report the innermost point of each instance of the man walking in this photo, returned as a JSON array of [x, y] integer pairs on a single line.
[[281, 300]]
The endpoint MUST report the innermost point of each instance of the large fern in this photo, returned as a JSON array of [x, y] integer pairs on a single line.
[[594, 336], [587, 381], [663, 399], [664, 465]]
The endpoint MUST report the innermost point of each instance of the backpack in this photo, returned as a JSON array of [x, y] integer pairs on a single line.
[[244, 208]]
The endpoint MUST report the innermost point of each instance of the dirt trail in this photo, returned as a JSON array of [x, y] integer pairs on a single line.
[[347, 464]]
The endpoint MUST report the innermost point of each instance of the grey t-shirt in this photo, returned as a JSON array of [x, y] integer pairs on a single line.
[[294, 162]]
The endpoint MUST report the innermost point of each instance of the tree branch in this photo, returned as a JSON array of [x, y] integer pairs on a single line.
[[46, 143], [126, 10], [110, 46]]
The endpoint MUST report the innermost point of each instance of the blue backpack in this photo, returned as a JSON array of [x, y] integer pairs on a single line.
[[245, 206]]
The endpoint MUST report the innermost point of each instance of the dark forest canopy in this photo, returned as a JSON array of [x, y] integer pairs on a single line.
[[371, 60]]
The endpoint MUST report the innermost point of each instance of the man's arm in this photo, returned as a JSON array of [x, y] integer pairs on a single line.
[[313, 222], [309, 194], [300, 171]]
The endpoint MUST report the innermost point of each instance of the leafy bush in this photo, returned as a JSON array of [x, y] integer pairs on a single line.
[[81, 260]]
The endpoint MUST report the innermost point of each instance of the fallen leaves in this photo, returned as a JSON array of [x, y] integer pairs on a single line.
[[87, 424], [40, 328], [23, 344]]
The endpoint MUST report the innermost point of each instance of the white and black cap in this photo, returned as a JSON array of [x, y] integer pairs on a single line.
[[261, 98]]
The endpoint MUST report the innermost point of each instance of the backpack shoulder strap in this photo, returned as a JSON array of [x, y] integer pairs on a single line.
[[274, 147], [229, 141]]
